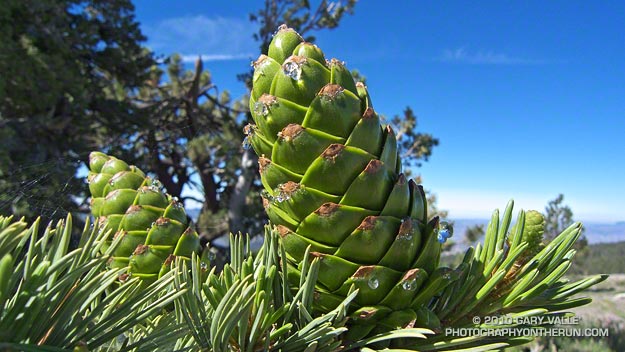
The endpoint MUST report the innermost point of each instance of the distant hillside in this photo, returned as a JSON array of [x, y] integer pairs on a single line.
[[600, 258], [595, 232], [604, 233]]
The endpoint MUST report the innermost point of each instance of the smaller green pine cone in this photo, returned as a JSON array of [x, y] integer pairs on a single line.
[[152, 225], [533, 232]]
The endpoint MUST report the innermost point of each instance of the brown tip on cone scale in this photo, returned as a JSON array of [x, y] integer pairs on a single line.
[[111, 160], [368, 114], [332, 151], [133, 209], [289, 187], [330, 90], [338, 62], [368, 223], [291, 131], [263, 163], [374, 166], [267, 99], [366, 313], [434, 222], [298, 60], [161, 221], [260, 60], [117, 176], [111, 194], [405, 228], [120, 233], [389, 130], [360, 85], [410, 324], [189, 231], [284, 28], [363, 271], [327, 209], [265, 203], [410, 274], [142, 248], [401, 180], [283, 230], [314, 255], [169, 260], [123, 277]]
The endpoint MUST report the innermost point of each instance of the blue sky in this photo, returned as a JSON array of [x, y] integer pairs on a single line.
[[527, 98]]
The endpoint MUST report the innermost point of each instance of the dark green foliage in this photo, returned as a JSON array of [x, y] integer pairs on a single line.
[[415, 147], [192, 130], [558, 216], [65, 69], [474, 233]]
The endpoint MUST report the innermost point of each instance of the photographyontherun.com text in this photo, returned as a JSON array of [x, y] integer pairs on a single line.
[[517, 326], [538, 332]]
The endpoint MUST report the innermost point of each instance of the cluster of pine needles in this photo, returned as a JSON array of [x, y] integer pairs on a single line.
[[54, 297]]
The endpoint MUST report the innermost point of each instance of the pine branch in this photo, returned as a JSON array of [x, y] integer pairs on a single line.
[[250, 306], [505, 277], [55, 298]]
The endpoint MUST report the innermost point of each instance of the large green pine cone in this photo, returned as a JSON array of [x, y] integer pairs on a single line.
[[154, 226], [332, 179]]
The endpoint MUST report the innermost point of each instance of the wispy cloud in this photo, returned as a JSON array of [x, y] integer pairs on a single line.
[[214, 57], [212, 38], [462, 55]]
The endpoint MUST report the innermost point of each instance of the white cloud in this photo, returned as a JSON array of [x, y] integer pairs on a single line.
[[214, 57], [214, 38], [462, 55]]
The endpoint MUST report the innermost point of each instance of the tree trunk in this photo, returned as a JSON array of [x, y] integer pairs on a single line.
[[236, 206]]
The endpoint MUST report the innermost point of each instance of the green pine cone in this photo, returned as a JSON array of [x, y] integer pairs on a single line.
[[533, 231], [333, 181], [154, 226]]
